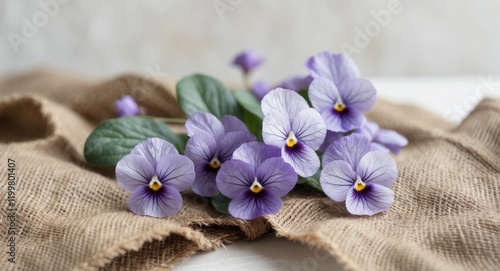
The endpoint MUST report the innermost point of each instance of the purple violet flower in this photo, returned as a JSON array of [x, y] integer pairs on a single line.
[[382, 139], [248, 60], [359, 176], [155, 173], [255, 179], [260, 89], [329, 138], [212, 143], [126, 106], [335, 67], [291, 125], [296, 83], [342, 106]]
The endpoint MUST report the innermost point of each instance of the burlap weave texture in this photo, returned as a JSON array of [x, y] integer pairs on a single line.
[[73, 216]]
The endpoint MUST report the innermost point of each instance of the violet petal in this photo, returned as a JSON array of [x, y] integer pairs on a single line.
[[230, 142], [277, 176], [358, 93], [204, 183], [275, 128], [344, 121], [377, 167], [373, 199], [286, 102], [302, 158], [329, 139], [248, 205], [153, 149], [254, 153], [176, 170], [260, 89], [349, 148], [201, 148], [296, 83], [337, 179], [133, 171], [391, 140], [202, 122], [126, 106], [336, 67], [165, 202], [248, 60], [309, 128], [233, 124], [323, 94], [234, 177]]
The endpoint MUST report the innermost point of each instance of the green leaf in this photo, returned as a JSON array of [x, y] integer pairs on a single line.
[[253, 123], [115, 138], [221, 203], [312, 181], [183, 139], [201, 93], [304, 93], [249, 102]]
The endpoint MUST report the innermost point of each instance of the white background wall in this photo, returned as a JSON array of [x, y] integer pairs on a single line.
[[102, 38]]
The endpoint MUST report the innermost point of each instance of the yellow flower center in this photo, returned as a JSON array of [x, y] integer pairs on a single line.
[[215, 163], [359, 185], [256, 187], [155, 184], [291, 140], [339, 106]]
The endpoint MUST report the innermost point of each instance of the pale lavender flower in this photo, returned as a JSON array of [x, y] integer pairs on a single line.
[[126, 106], [342, 106], [329, 139], [212, 143], [248, 60], [382, 139], [358, 176], [155, 173], [255, 179], [335, 67], [291, 125], [260, 89], [296, 83]]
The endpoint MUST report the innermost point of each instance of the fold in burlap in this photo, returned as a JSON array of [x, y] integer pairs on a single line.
[[73, 216]]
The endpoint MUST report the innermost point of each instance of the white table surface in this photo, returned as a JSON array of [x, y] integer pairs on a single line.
[[449, 97]]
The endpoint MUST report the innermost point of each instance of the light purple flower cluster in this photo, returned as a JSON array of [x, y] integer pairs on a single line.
[[155, 173], [212, 143], [222, 156], [356, 166]]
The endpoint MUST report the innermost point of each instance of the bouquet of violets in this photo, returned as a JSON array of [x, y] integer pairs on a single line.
[[248, 148]]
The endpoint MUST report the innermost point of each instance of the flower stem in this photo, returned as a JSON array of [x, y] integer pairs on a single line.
[[170, 120], [246, 80], [311, 182]]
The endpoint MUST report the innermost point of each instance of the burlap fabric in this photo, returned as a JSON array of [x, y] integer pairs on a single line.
[[73, 216]]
